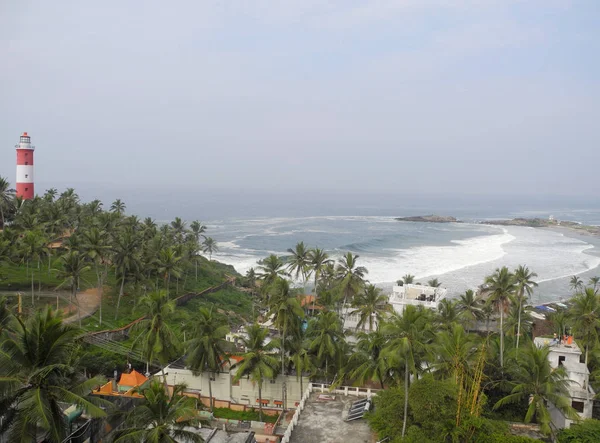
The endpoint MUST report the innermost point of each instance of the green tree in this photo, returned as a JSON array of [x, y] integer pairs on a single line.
[[160, 418], [576, 284], [198, 229], [369, 362], [595, 282], [33, 246], [6, 200], [535, 381], [447, 313], [502, 286], [319, 259], [453, 353], [286, 313], [524, 289], [299, 263], [118, 207], [38, 376], [469, 308], [434, 283], [370, 304], [169, 265], [585, 315], [73, 267], [408, 334], [206, 348], [96, 247], [587, 431], [269, 270], [155, 338], [209, 246], [407, 279], [258, 361], [350, 276], [126, 259], [325, 336]]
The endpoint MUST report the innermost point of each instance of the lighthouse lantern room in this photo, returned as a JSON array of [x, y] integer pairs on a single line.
[[25, 167]]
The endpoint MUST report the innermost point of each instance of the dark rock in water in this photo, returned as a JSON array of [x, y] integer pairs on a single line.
[[429, 219]]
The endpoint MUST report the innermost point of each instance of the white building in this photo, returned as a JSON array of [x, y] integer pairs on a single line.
[[416, 295], [235, 395], [570, 357]]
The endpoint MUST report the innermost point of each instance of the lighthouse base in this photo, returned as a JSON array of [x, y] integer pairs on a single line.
[[25, 191]]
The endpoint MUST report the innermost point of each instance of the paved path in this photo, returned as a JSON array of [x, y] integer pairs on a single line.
[[89, 300]]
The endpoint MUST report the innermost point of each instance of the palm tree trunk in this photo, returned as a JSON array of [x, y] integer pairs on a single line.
[[196, 262], [78, 308], [282, 352], [519, 326], [99, 284], [168, 283], [405, 397], [119, 297], [260, 401], [32, 288], [210, 393], [501, 336]]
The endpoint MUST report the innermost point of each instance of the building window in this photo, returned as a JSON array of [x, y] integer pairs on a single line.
[[26, 163], [26, 175], [27, 189], [561, 360], [578, 406]]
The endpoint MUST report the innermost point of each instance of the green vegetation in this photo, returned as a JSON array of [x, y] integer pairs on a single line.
[[250, 415], [588, 431], [460, 385]]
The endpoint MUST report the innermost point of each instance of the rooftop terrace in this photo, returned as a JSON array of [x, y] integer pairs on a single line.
[[323, 421]]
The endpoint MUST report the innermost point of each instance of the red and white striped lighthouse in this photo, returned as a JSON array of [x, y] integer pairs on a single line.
[[25, 167]]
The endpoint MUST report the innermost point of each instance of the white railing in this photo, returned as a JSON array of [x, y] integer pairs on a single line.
[[319, 387]]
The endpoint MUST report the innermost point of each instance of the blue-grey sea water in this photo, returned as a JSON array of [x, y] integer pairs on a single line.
[[249, 226]]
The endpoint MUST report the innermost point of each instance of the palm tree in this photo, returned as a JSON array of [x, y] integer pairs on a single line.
[[160, 418], [178, 226], [595, 282], [126, 259], [325, 335], [156, 340], [434, 283], [299, 263], [576, 284], [408, 334], [469, 308], [269, 269], [447, 313], [73, 267], [502, 286], [258, 361], [168, 265], [33, 246], [38, 376], [369, 362], [407, 279], [118, 207], [318, 261], [198, 229], [286, 313], [536, 381], [6, 199], [209, 245], [585, 314], [370, 305], [206, 348], [96, 248], [350, 276], [524, 285], [301, 359], [453, 353]]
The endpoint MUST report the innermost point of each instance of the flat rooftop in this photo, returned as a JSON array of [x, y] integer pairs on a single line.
[[557, 347], [323, 422]]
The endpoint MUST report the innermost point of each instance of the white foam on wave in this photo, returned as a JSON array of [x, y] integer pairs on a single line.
[[426, 261]]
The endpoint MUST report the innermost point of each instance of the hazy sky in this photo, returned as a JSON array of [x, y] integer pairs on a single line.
[[414, 96]]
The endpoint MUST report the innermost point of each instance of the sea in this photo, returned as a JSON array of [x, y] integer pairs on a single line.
[[248, 226]]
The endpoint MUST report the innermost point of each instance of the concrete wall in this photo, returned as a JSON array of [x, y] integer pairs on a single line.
[[244, 392]]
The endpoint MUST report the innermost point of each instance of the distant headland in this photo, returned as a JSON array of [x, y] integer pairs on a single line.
[[429, 219], [527, 222]]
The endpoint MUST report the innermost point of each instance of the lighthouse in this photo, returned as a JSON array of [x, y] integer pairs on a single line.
[[25, 167]]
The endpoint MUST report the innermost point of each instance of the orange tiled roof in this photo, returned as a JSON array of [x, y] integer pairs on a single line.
[[134, 378], [308, 301]]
